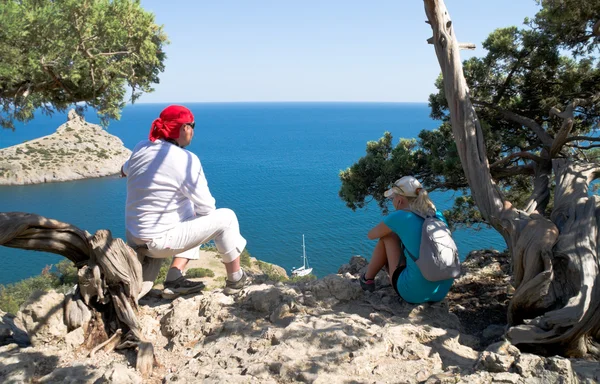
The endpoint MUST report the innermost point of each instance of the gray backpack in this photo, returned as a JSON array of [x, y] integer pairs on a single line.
[[438, 255]]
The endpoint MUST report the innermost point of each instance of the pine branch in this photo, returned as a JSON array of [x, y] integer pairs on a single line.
[[516, 155]]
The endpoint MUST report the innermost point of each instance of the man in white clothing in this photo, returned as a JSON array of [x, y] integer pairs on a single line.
[[170, 210]]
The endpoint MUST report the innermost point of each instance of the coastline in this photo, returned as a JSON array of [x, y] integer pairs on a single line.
[[77, 150]]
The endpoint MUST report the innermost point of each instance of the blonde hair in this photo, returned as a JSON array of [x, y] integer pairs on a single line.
[[422, 204]]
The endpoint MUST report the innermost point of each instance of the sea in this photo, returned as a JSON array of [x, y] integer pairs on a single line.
[[276, 165]]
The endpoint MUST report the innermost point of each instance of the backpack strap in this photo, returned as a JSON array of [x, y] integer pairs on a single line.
[[405, 252], [431, 213]]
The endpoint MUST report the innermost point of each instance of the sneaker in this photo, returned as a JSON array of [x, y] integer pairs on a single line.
[[367, 284], [181, 286], [234, 287]]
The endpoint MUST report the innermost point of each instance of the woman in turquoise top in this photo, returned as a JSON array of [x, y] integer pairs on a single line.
[[404, 227]]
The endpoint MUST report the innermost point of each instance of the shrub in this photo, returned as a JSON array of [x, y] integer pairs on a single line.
[[67, 272], [13, 295], [199, 272], [245, 259], [268, 270], [301, 279], [164, 269], [192, 272], [61, 278]]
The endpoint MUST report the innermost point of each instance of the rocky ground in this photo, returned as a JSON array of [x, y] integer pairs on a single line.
[[323, 331], [77, 150]]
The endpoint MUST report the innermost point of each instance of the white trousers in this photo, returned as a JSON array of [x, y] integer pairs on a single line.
[[184, 240]]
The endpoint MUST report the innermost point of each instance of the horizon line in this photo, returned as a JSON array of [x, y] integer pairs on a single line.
[[278, 102]]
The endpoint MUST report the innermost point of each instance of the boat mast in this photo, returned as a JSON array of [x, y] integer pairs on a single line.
[[303, 252]]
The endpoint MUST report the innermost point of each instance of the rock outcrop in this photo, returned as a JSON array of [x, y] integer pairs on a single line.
[[77, 150], [323, 331]]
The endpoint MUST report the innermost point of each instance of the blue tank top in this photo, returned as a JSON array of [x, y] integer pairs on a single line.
[[412, 286]]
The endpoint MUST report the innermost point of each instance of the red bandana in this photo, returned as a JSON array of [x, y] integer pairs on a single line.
[[170, 120]]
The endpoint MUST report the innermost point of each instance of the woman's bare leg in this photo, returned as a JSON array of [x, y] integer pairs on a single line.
[[378, 261], [391, 244]]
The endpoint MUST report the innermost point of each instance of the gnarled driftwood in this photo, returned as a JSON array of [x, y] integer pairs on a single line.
[[109, 273]]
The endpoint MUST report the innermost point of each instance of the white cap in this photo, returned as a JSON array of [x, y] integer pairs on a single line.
[[405, 186]]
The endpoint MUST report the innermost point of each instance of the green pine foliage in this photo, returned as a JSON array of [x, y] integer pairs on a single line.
[[549, 62], [245, 259], [57, 53]]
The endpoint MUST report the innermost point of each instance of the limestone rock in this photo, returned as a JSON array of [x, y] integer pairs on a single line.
[[528, 365], [77, 150], [189, 321], [182, 323], [267, 298], [75, 338], [354, 267], [120, 374], [558, 370], [22, 365], [436, 314], [506, 377], [324, 331], [258, 267], [10, 333], [494, 332], [336, 287], [587, 372], [42, 317], [498, 357], [75, 374], [5, 329]]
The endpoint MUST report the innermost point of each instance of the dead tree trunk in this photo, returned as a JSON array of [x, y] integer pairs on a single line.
[[109, 272], [556, 305]]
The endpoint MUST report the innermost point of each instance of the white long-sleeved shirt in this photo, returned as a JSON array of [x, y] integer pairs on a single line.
[[165, 186]]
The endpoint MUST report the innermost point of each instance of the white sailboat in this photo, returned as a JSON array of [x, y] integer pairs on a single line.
[[304, 269]]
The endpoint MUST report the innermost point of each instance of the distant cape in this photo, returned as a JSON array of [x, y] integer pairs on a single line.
[[77, 150]]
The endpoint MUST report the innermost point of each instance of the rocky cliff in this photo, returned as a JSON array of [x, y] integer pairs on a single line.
[[323, 331], [77, 150]]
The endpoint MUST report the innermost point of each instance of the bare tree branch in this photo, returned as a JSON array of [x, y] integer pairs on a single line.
[[56, 78], [522, 155], [469, 46], [582, 138], [540, 197], [113, 53], [583, 147], [544, 137], [568, 121], [503, 173], [466, 125]]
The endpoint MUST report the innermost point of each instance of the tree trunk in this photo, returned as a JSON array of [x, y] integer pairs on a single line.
[[109, 273], [556, 305]]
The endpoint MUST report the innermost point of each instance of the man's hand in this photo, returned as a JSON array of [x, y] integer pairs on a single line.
[[123, 173]]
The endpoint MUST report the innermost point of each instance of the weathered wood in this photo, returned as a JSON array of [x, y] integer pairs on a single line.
[[556, 304], [77, 313], [110, 344], [37, 233], [109, 272]]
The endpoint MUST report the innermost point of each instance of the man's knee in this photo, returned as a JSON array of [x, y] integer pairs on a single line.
[[227, 215]]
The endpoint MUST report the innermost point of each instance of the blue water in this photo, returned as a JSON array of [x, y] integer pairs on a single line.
[[275, 164]]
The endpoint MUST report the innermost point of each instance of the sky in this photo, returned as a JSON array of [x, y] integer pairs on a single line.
[[327, 50]]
